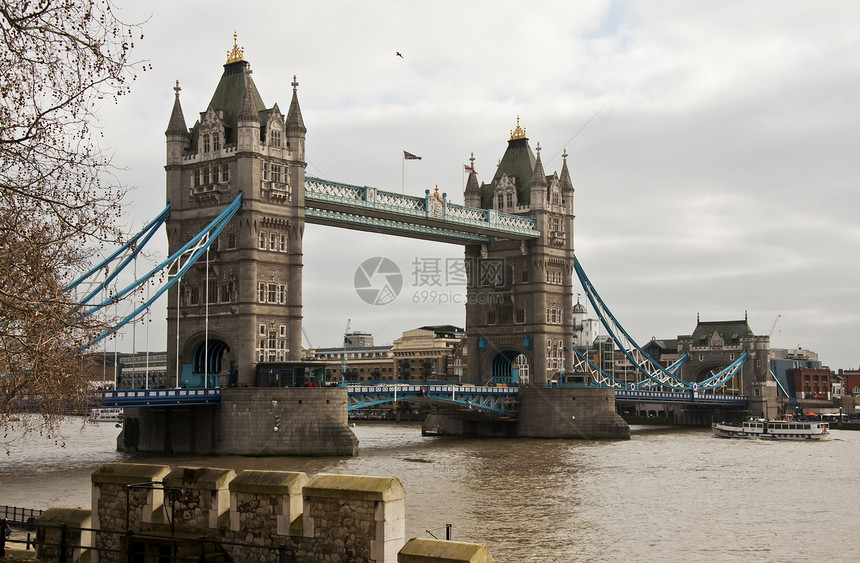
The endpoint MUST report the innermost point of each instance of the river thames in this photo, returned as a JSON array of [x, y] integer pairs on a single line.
[[673, 494]]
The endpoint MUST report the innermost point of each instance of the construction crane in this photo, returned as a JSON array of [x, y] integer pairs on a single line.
[[773, 326], [308, 338]]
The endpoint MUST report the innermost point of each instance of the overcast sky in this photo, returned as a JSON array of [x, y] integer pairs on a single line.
[[712, 145]]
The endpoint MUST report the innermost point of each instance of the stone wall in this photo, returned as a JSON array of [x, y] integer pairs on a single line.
[[570, 412], [153, 511], [304, 421]]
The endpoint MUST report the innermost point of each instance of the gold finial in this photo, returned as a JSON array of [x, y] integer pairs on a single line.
[[237, 54], [519, 132]]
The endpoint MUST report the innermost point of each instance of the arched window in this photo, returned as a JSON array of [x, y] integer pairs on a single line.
[[501, 201]]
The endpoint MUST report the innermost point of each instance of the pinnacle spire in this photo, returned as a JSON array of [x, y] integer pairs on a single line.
[[177, 119], [248, 110], [295, 123], [566, 183], [538, 176]]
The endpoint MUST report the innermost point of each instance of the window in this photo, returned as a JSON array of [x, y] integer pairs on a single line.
[[282, 331], [273, 240], [273, 293], [276, 139], [212, 291], [225, 173], [205, 176], [195, 295], [283, 243], [216, 141], [501, 201], [491, 317], [262, 240], [282, 294], [521, 316], [265, 171], [276, 173], [205, 143], [225, 293], [231, 239], [262, 296], [197, 178], [510, 199]]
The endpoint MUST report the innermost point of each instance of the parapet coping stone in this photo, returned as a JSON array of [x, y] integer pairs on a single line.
[[198, 477], [129, 473], [420, 549], [355, 487], [75, 517], [269, 482]]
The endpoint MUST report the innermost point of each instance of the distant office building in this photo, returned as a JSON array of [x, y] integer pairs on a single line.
[[428, 353], [144, 370]]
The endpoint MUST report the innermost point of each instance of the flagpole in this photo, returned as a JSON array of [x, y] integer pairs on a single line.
[[402, 173]]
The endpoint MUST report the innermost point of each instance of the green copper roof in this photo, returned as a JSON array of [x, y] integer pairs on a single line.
[[230, 92], [730, 331], [518, 162]]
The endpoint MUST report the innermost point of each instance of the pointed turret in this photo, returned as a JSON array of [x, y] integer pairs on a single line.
[[566, 183], [177, 119], [296, 129], [177, 132], [295, 123], [538, 184], [472, 195], [248, 112]]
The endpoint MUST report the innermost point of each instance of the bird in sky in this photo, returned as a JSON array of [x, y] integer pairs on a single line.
[[398, 54]]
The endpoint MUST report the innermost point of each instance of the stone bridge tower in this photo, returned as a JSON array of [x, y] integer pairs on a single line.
[[519, 311], [241, 304]]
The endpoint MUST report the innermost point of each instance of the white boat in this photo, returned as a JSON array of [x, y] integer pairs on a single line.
[[773, 430], [107, 414]]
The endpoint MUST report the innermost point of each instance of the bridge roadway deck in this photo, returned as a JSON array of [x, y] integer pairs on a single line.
[[497, 400]]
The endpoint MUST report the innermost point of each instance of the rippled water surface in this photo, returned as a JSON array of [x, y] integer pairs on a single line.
[[668, 494]]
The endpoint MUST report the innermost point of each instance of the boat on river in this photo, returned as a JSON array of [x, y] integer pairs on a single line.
[[106, 414], [762, 429]]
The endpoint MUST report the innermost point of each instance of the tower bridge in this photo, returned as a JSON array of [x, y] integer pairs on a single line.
[[241, 166]]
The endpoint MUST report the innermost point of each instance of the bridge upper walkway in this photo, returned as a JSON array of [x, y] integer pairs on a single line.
[[431, 217]]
